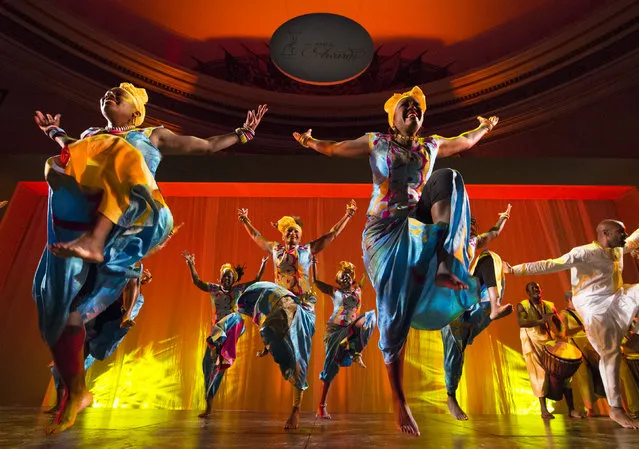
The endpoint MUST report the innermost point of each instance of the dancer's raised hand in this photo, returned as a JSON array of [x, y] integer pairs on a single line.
[[44, 121], [3, 203], [351, 207], [242, 215], [190, 258], [253, 118], [489, 123], [506, 215], [303, 138]]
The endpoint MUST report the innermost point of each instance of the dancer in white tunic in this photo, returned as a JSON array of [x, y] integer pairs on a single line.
[[606, 305]]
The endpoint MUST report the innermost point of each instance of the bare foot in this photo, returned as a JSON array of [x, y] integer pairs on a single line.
[[66, 416], [545, 414], [358, 359], [322, 413], [205, 414], [293, 421], [449, 281], [590, 413], [85, 247], [575, 414], [126, 324], [618, 415], [501, 312], [455, 410], [405, 421]]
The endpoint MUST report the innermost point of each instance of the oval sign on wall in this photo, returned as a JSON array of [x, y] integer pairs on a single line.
[[321, 48]]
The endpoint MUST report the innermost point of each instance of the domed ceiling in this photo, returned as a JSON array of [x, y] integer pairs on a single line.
[[416, 42]]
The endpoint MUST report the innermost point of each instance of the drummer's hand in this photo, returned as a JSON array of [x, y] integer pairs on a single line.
[[548, 317]]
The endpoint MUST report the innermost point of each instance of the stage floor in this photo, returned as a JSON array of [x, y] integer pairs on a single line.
[[106, 428]]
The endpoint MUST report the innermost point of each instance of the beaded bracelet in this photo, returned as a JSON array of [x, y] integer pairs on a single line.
[[54, 131], [245, 134]]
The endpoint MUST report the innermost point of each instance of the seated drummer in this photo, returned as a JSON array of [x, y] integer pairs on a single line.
[[539, 323]]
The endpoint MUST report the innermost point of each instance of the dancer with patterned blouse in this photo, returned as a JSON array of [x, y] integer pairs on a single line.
[[347, 332], [228, 325], [415, 241], [285, 310]]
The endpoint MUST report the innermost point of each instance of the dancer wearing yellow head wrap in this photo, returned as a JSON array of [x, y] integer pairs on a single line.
[[347, 332], [416, 215], [285, 308], [228, 325], [106, 213], [391, 104], [139, 98]]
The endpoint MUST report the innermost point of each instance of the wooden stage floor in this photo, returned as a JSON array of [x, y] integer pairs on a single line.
[[106, 428]]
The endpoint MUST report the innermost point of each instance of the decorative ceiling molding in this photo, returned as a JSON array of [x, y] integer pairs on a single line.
[[590, 60]]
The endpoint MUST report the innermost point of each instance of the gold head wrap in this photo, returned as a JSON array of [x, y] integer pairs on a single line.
[[345, 266], [391, 103], [228, 267], [140, 98], [287, 222]]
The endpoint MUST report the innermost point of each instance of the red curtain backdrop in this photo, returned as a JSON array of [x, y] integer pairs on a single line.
[[159, 362]]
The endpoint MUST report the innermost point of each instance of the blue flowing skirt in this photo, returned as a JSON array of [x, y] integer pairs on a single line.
[[400, 255], [336, 353], [62, 285], [287, 327]]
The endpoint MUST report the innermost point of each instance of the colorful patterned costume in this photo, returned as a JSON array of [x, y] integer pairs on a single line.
[[285, 312], [343, 339], [400, 242], [462, 332], [226, 330], [113, 174]]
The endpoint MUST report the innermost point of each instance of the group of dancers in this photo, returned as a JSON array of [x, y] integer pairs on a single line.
[[106, 214]]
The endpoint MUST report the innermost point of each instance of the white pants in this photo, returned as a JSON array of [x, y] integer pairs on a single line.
[[605, 329]]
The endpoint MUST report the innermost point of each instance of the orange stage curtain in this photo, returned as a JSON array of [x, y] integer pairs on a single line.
[[159, 362]]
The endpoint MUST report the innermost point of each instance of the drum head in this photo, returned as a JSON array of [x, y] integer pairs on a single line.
[[563, 350]]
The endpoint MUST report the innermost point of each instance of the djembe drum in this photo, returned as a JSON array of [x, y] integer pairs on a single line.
[[561, 361]]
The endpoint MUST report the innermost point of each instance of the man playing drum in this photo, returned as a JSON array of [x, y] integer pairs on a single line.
[[607, 306], [536, 318]]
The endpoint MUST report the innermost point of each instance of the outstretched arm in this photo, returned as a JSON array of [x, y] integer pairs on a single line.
[[347, 148], [321, 243], [467, 140], [565, 262], [256, 235], [190, 262], [50, 125], [322, 286], [169, 143], [487, 237]]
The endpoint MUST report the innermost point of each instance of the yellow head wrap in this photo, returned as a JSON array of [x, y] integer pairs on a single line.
[[228, 267], [391, 103], [287, 222], [140, 98], [345, 266]]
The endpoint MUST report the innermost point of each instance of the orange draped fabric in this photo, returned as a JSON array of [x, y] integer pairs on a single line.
[[159, 362]]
